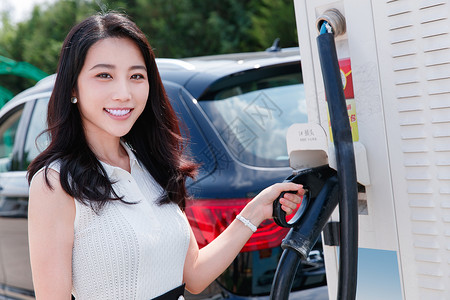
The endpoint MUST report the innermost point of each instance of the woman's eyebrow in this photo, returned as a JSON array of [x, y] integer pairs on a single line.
[[106, 66], [109, 66], [138, 67]]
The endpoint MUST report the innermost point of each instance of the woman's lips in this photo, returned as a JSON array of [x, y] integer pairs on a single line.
[[118, 113]]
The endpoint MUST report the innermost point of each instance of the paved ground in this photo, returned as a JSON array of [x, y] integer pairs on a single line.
[[320, 293]]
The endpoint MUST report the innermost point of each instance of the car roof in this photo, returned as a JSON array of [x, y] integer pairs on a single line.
[[224, 64], [42, 88], [196, 74]]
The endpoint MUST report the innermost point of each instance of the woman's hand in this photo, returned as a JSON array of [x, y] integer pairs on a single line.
[[261, 207]]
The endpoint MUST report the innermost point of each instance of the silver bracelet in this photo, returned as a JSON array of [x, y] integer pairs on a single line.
[[246, 223]]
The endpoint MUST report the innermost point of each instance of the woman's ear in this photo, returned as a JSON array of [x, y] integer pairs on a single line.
[[74, 96]]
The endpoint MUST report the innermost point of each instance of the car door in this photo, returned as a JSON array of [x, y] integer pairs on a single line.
[[10, 194], [8, 129], [19, 148]]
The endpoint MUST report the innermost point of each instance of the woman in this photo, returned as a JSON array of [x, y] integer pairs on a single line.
[[107, 196]]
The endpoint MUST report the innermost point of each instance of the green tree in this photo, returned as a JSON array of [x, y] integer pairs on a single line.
[[226, 25], [274, 19], [175, 28], [8, 36], [39, 39]]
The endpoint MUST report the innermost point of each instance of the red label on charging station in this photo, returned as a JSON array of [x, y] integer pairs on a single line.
[[346, 76], [347, 82]]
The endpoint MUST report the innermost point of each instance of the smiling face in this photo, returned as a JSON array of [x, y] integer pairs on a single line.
[[112, 88]]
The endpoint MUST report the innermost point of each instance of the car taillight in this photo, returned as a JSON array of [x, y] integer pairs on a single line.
[[210, 217]]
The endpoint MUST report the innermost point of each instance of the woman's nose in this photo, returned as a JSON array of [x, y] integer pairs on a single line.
[[122, 91]]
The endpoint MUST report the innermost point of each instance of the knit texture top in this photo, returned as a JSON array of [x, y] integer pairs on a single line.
[[128, 251]]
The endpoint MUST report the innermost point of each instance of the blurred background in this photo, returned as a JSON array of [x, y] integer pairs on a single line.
[[32, 31]]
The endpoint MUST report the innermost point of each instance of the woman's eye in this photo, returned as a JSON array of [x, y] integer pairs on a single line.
[[104, 75], [137, 76]]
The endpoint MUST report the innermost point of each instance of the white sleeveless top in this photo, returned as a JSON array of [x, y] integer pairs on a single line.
[[128, 251]]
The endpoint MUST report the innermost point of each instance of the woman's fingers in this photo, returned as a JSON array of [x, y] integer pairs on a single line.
[[264, 201], [292, 197], [289, 202], [289, 186], [287, 210]]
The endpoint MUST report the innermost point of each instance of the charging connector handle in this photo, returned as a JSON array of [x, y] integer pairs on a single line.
[[312, 180], [301, 238]]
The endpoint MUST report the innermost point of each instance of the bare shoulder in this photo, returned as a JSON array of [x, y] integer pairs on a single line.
[[51, 215], [45, 199]]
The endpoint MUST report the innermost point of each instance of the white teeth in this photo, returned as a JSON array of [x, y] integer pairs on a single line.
[[118, 112]]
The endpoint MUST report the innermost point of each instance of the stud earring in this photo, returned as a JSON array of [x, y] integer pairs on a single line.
[[74, 100]]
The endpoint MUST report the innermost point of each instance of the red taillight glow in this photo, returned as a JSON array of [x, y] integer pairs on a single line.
[[209, 218]]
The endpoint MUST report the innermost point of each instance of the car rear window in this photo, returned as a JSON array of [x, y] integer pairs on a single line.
[[253, 114]]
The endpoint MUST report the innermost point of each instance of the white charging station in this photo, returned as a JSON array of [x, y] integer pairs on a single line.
[[397, 55]]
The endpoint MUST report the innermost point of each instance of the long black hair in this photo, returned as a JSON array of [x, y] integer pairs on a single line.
[[155, 137]]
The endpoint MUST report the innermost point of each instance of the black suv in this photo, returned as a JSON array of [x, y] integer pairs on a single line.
[[235, 109]]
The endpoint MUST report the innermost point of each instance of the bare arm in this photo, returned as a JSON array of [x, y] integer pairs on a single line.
[[51, 214], [205, 265]]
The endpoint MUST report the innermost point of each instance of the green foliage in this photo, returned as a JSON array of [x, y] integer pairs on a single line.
[[38, 40], [274, 19], [7, 34], [175, 28]]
